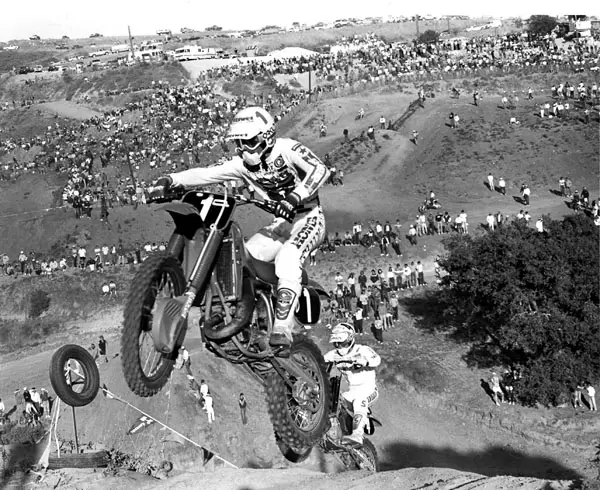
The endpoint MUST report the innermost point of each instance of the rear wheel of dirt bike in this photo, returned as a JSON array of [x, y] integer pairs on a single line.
[[300, 415], [147, 370], [365, 456], [74, 375], [293, 455]]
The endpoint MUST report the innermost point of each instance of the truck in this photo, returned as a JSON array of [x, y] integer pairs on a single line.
[[187, 53], [119, 48]]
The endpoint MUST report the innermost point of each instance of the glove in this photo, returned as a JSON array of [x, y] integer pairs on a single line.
[[286, 208], [360, 363], [161, 188], [165, 182]]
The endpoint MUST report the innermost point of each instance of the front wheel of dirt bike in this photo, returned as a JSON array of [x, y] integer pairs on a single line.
[[147, 370], [299, 413], [365, 456]]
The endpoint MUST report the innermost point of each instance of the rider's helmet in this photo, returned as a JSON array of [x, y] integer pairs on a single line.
[[253, 131], [342, 338]]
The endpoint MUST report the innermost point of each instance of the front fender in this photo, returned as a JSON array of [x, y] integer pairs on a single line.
[[186, 217], [182, 208]]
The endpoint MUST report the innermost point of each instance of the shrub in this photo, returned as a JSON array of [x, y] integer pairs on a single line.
[[530, 298], [39, 302], [22, 434]]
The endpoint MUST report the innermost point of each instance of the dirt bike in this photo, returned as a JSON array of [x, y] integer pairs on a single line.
[[340, 424], [207, 267]]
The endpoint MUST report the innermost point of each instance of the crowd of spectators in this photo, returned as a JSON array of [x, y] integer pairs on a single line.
[[110, 160]]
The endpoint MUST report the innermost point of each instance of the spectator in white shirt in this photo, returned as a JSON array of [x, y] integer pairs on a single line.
[[491, 221], [539, 225]]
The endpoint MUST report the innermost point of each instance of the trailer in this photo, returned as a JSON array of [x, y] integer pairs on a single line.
[[188, 53]]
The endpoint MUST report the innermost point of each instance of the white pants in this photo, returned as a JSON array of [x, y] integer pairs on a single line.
[[360, 398], [211, 415], [288, 245]]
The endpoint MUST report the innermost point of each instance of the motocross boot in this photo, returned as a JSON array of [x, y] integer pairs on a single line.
[[358, 431], [284, 320]]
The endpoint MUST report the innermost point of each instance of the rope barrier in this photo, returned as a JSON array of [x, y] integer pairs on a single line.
[[32, 212], [109, 394]]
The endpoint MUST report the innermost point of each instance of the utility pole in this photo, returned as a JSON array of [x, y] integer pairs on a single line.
[[448, 25], [309, 82], [417, 21], [131, 44]]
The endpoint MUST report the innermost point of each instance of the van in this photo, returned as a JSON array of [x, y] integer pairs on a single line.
[[187, 53]]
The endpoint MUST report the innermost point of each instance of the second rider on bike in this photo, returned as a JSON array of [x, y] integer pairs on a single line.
[[282, 170]]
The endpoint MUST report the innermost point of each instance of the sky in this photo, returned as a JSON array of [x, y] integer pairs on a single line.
[[55, 18]]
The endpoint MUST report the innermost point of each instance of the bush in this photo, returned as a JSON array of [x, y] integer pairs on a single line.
[[529, 298], [22, 434], [429, 36], [39, 302]]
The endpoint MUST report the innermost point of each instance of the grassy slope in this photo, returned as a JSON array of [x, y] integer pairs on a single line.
[[422, 374]]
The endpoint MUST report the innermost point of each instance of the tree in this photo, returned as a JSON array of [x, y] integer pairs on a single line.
[[529, 298], [540, 25], [214, 28], [429, 36], [518, 23]]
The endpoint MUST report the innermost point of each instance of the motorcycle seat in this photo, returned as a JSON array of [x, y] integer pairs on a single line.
[[265, 271]]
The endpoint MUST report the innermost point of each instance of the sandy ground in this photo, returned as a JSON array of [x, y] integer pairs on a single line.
[[71, 110]]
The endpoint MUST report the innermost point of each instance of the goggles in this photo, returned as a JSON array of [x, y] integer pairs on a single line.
[[249, 145], [341, 345]]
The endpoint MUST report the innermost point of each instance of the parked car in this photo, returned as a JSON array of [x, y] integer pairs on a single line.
[[24, 70], [38, 68]]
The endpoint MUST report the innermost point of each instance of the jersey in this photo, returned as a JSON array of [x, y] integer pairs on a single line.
[[356, 377], [289, 167]]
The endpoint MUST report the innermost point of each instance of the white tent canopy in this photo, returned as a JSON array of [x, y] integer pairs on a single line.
[[291, 52]]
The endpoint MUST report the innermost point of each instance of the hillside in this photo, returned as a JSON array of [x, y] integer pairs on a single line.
[[437, 419]]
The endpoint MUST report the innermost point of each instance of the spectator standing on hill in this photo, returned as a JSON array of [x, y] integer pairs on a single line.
[[568, 185], [525, 192], [420, 274], [591, 396], [415, 137], [576, 397], [539, 225], [490, 221], [378, 330], [102, 348], [209, 407], [382, 122], [82, 252], [45, 397], [243, 407], [561, 186], [371, 132], [490, 179], [412, 235], [502, 186], [358, 321], [494, 383]]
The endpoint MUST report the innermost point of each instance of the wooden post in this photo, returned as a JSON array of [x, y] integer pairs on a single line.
[[417, 21], [309, 82], [74, 419]]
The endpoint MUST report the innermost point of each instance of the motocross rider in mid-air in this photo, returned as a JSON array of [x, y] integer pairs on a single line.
[[357, 365], [282, 170]]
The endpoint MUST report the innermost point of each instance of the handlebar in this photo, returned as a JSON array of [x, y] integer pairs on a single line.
[[157, 194]]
